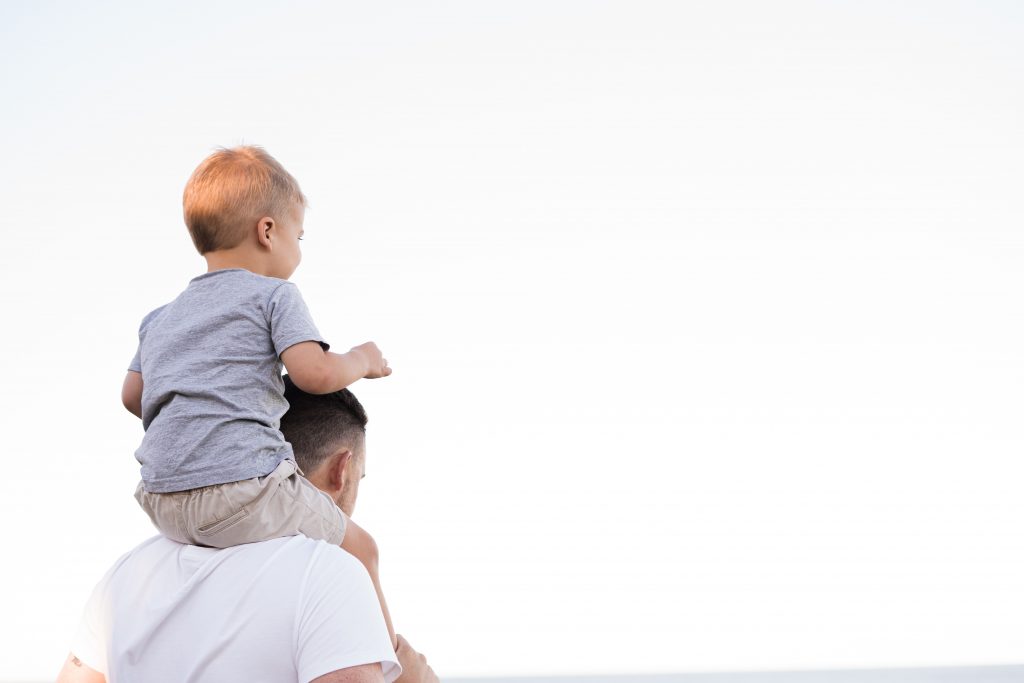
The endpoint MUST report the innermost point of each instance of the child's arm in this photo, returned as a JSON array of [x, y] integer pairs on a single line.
[[316, 371], [131, 393], [361, 544]]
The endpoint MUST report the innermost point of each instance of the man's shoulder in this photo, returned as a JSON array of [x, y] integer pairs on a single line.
[[292, 547], [154, 543], [317, 569], [312, 550], [297, 560], [332, 557], [285, 589]]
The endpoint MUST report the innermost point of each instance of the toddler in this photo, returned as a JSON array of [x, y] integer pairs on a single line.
[[206, 379]]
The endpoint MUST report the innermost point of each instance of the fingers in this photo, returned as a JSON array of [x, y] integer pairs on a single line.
[[377, 364], [380, 371], [414, 665], [426, 674]]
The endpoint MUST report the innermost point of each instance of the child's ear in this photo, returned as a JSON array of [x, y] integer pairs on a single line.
[[264, 228]]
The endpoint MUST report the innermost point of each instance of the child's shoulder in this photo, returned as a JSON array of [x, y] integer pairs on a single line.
[[238, 279], [223, 290], [153, 315]]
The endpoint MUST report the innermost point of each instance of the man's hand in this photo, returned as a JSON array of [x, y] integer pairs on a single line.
[[414, 665], [376, 364]]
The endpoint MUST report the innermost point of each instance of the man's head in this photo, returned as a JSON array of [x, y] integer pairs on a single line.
[[239, 194], [328, 435]]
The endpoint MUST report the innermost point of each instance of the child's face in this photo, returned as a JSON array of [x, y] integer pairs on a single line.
[[287, 254]]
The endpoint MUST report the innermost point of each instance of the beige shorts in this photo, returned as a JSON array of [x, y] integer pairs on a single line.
[[283, 503]]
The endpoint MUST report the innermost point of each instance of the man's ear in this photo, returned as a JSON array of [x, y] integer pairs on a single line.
[[339, 469], [264, 229]]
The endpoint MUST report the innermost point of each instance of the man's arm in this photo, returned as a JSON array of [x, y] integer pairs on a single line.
[[131, 393], [360, 543], [75, 671], [367, 673]]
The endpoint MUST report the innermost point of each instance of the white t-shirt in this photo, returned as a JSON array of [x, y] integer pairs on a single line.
[[290, 609]]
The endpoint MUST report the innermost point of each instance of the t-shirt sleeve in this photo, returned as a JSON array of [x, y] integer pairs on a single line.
[[89, 643], [136, 364], [290, 321], [339, 622]]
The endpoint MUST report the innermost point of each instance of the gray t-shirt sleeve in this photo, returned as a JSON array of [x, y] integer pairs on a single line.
[[136, 364], [290, 321]]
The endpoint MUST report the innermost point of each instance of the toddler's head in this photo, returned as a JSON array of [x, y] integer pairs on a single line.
[[232, 190]]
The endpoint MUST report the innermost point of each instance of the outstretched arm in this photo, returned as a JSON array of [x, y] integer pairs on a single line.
[[316, 371], [131, 393]]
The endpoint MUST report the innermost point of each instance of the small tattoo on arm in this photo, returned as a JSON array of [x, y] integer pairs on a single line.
[[76, 661]]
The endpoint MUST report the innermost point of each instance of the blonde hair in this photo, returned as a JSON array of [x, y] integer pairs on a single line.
[[231, 190]]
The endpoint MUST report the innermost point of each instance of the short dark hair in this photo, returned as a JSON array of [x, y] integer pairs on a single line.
[[317, 425]]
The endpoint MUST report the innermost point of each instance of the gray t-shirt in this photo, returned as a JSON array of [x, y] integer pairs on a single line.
[[213, 396]]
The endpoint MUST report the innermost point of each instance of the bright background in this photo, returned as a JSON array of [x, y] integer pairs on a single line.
[[705, 317]]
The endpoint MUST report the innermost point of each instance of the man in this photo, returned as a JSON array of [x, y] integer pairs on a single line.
[[289, 609]]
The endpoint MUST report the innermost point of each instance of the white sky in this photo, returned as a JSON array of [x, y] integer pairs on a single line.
[[705, 317]]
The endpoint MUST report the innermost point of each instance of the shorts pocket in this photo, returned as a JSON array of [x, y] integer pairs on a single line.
[[223, 524], [218, 508]]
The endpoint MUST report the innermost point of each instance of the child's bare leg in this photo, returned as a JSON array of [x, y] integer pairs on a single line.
[[361, 544]]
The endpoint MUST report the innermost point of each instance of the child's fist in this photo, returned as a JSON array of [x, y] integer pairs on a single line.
[[376, 364]]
